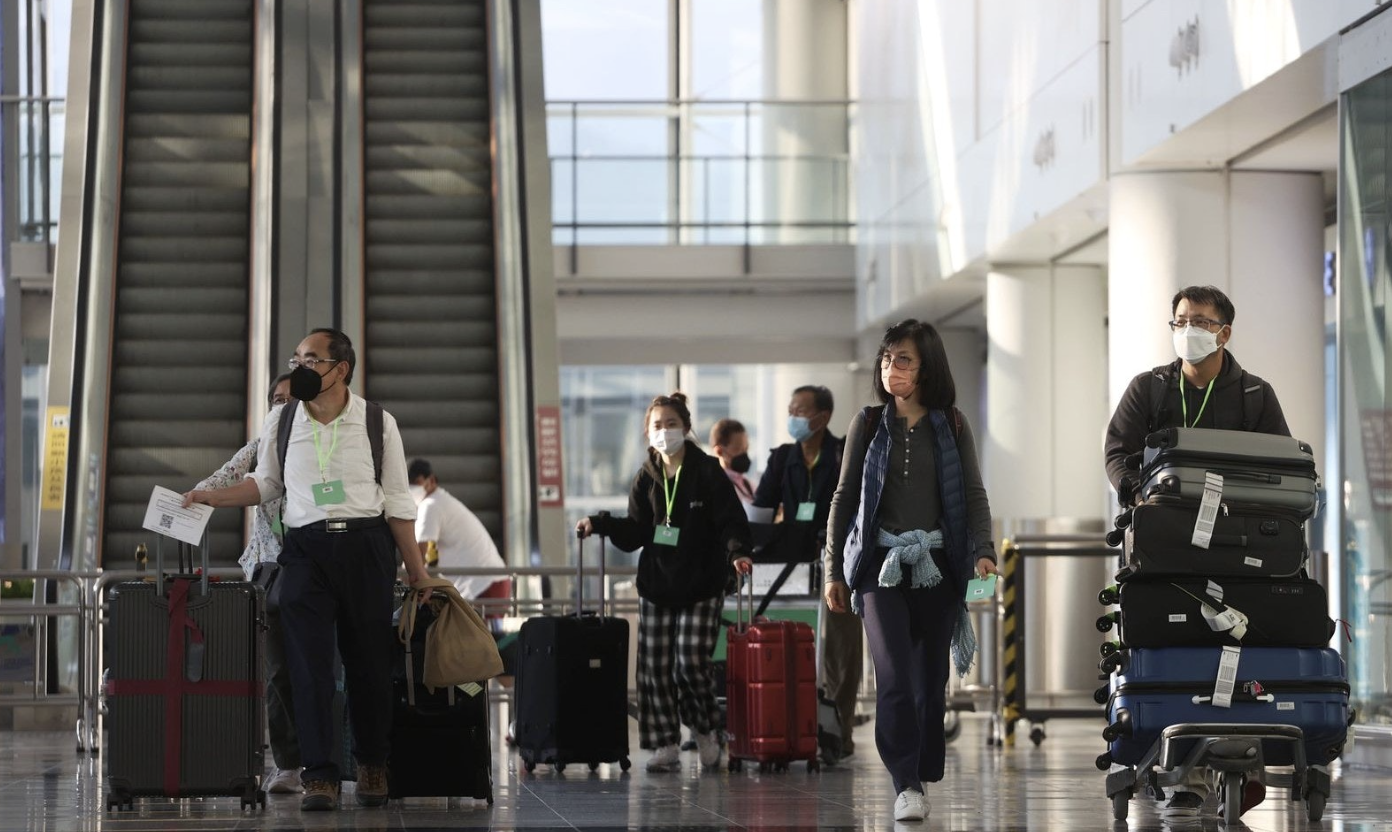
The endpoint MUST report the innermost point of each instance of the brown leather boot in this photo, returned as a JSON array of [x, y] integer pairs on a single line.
[[319, 796], [372, 785]]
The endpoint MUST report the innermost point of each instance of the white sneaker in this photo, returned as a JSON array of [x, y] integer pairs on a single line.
[[284, 781], [708, 745], [910, 805], [665, 759]]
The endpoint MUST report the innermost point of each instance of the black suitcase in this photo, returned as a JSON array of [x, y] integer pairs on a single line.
[[1259, 470], [1157, 543], [1279, 613], [185, 693], [572, 686], [439, 741]]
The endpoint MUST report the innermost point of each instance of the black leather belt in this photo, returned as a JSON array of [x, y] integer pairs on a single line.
[[347, 524]]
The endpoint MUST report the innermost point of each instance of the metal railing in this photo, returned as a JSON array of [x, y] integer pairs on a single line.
[[40, 161], [700, 172]]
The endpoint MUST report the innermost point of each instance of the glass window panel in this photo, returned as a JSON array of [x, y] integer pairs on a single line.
[[727, 48], [609, 49], [1365, 220]]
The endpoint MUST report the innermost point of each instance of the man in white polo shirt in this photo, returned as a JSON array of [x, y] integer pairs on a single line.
[[346, 514], [458, 535]]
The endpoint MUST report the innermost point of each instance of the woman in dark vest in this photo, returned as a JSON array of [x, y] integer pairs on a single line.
[[910, 525], [684, 514]]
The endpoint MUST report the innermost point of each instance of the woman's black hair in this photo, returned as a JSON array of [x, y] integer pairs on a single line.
[[936, 389], [270, 394], [676, 401]]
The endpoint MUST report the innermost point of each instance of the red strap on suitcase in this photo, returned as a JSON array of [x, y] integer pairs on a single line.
[[175, 683]]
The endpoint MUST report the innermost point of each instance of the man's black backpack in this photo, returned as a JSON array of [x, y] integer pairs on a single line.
[[375, 431]]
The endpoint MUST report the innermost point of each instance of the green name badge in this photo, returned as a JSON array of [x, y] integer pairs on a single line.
[[666, 535], [328, 493], [806, 511], [979, 589]]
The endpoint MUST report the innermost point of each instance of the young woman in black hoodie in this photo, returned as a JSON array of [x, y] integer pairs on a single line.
[[684, 514]]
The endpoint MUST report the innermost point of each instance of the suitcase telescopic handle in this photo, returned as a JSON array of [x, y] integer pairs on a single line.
[[745, 583], [159, 560], [580, 574]]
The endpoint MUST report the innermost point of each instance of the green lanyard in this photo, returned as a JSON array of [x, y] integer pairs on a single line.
[[670, 495], [815, 460], [1184, 401], [319, 451]]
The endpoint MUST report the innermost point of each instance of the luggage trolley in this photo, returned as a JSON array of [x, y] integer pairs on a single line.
[[1234, 752]]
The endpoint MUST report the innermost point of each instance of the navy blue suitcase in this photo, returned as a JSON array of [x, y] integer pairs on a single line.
[[1158, 687]]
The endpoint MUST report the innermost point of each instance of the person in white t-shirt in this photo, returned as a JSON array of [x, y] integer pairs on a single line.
[[457, 534]]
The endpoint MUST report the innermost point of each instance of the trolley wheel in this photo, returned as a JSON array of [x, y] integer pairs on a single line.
[[529, 765], [1314, 805], [1037, 736], [594, 766], [1121, 804], [624, 764], [1232, 796]]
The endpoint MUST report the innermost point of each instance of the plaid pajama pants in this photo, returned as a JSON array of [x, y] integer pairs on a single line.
[[675, 681]]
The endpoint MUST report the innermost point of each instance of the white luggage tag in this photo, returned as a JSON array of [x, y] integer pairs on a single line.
[[1208, 510], [1230, 621], [1227, 677]]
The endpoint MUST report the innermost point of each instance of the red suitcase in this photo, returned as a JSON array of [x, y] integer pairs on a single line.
[[771, 690]]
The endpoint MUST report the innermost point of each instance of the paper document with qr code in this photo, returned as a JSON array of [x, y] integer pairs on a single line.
[[167, 515]]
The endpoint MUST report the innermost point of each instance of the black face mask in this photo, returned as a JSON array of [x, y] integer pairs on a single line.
[[305, 384], [740, 464]]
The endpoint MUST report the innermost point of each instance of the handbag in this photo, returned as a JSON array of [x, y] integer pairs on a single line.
[[459, 647]]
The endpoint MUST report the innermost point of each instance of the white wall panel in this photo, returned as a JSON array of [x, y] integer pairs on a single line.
[[1025, 45], [1240, 44]]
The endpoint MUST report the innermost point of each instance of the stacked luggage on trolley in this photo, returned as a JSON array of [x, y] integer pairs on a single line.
[[1221, 661]]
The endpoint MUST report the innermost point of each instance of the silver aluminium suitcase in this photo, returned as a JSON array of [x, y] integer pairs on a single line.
[[1259, 470]]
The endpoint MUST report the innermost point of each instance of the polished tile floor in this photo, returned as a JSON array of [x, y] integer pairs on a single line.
[[45, 786]]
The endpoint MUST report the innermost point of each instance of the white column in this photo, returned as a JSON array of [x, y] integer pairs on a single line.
[[1045, 370], [804, 60], [1258, 236], [1045, 377]]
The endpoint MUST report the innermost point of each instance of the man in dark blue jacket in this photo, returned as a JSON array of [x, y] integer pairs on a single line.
[[800, 478]]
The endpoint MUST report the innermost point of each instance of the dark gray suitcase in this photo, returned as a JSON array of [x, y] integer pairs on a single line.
[[1157, 543], [187, 721], [1259, 470]]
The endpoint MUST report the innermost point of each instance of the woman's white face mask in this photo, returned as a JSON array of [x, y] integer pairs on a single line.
[[1194, 344], [666, 440]]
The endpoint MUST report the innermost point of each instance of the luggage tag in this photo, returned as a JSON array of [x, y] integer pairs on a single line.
[[1227, 677], [666, 535], [1208, 510], [806, 511], [329, 493]]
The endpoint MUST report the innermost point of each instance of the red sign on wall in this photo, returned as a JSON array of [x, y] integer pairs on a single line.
[[548, 457]]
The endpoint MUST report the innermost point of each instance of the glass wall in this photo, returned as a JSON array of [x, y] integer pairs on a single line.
[[1365, 252]]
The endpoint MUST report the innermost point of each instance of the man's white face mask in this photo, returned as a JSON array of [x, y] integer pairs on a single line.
[[1194, 344], [418, 493]]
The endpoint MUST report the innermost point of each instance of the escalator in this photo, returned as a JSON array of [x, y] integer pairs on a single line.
[[431, 309], [178, 359]]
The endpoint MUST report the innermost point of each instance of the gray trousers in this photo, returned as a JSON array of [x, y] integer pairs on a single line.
[[843, 657]]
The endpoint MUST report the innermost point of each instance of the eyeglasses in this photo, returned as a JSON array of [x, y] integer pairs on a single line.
[[902, 362], [1202, 323], [309, 363]]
